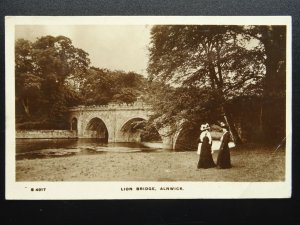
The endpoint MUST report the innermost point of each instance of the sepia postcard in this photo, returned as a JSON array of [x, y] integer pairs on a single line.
[[148, 107]]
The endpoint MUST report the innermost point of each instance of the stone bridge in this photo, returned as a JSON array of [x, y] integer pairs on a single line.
[[113, 122]]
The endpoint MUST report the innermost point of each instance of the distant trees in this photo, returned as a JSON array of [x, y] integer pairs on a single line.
[[52, 75], [102, 86], [207, 67]]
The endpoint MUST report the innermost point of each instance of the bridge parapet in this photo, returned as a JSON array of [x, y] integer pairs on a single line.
[[113, 106]]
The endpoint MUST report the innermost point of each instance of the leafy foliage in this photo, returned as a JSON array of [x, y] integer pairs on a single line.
[[211, 68], [102, 86], [42, 69], [52, 75], [207, 66], [273, 39]]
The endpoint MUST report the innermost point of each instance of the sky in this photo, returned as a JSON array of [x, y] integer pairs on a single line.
[[115, 47]]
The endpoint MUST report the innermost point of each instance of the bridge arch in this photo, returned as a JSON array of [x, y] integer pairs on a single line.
[[132, 130], [96, 128], [186, 139]]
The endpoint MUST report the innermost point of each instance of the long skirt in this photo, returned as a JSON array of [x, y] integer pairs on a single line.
[[223, 161], [206, 159]]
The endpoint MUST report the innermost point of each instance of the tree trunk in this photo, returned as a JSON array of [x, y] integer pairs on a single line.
[[233, 131], [226, 112]]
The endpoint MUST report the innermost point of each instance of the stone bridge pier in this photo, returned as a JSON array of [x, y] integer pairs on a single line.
[[114, 123]]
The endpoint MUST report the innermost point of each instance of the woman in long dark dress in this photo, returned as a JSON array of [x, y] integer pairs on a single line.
[[223, 160], [205, 159]]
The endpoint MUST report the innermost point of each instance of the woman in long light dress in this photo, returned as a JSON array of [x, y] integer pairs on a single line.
[[205, 158]]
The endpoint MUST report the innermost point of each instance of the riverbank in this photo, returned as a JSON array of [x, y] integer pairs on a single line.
[[251, 164], [45, 134]]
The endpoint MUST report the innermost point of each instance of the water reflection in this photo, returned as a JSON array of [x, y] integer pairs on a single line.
[[49, 148]]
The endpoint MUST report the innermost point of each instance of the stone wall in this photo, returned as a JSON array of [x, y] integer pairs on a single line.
[[46, 134]]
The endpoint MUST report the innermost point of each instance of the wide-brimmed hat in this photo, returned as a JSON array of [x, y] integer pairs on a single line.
[[223, 125], [204, 127]]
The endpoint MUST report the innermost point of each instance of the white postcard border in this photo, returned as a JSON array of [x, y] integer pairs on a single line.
[[112, 190]]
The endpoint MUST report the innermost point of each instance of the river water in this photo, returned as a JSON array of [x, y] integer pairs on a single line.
[[50, 148]]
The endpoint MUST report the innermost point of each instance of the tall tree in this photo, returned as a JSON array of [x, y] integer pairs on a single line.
[[28, 84], [43, 69], [214, 59], [273, 39]]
